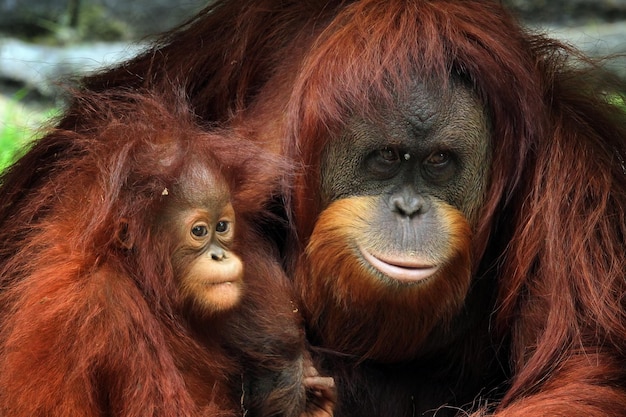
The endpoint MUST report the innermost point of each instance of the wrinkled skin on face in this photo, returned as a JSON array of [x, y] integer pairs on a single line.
[[401, 201], [202, 219]]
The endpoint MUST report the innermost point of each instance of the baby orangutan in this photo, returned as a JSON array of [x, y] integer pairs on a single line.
[[131, 289]]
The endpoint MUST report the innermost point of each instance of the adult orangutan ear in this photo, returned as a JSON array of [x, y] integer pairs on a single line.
[[123, 235]]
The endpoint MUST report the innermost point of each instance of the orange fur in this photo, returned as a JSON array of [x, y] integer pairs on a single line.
[[93, 322], [550, 237], [547, 332], [351, 308]]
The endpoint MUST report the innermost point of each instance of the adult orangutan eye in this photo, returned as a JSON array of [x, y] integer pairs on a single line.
[[199, 230], [222, 227], [438, 158], [384, 163], [389, 154], [439, 166]]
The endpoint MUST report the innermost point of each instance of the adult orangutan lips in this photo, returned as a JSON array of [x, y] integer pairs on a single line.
[[403, 269]]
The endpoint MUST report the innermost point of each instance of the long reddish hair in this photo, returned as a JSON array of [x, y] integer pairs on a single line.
[[553, 222], [131, 147], [552, 228]]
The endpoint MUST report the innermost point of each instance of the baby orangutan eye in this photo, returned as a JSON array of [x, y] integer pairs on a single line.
[[199, 231], [222, 227]]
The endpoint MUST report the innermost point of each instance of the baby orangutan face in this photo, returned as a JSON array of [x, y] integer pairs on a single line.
[[200, 216]]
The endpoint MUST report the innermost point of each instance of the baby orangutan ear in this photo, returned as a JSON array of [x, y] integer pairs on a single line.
[[123, 236]]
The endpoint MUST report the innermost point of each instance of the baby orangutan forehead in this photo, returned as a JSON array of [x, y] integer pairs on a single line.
[[203, 185]]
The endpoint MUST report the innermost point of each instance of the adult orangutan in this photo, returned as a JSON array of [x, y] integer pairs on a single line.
[[140, 285], [459, 215]]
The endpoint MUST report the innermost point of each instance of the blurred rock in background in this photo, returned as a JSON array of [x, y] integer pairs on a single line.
[[596, 27], [102, 20], [569, 12], [44, 42]]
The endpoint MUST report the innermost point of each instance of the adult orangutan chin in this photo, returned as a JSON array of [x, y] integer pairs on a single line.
[[459, 218]]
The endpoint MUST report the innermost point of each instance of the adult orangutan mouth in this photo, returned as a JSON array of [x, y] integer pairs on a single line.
[[404, 269]]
